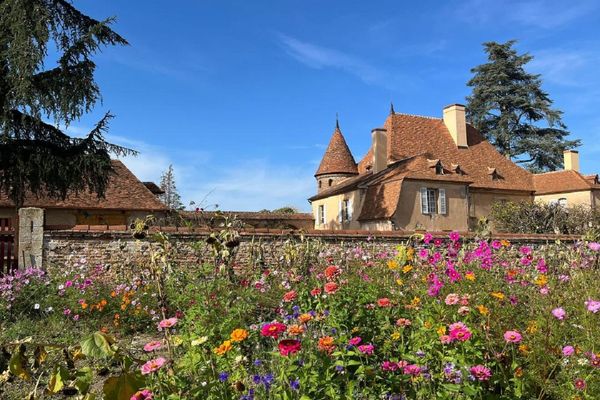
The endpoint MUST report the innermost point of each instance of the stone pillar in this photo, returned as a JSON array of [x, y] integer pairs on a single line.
[[31, 237]]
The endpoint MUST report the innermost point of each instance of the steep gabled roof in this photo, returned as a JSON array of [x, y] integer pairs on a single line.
[[123, 192], [412, 135], [564, 181], [337, 159]]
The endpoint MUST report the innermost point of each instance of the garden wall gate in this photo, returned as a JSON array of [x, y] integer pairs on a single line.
[[8, 257]]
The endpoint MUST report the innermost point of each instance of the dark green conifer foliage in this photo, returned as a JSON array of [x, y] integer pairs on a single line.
[[509, 107], [35, 156]]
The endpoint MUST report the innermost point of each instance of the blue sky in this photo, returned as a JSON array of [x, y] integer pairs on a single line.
[[241, 96]]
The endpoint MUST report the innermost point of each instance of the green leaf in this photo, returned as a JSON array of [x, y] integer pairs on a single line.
[[122, 387], [98, 345], [83, 379], [18, 364], [58, 379]]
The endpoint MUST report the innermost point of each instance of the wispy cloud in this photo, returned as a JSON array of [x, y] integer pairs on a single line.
[[545, 14], [319, 57], [568, 67]]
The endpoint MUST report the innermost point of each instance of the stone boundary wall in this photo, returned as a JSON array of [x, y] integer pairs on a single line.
[[114, 245]]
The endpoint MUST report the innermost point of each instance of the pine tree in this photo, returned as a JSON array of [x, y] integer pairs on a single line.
[[509, 107], [170, 197], [35, 156]]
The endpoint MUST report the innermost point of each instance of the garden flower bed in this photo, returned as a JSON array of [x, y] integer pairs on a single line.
[[437, 318]]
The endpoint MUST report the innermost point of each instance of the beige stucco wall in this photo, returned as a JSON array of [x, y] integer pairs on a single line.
[[408, 214], [585, 198], [481, 201], [332, 209], [382, 225]]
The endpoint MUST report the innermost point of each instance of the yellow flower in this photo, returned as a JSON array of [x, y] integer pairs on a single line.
[[483, 309], [531, 327], [470, 276], [399, 282], [410, 253], [177, 340], [498, 295], [407, 269], [395, 335], [223, 348], [238, 335], [392, 264], [541, 280], [355, 329], [415, 301], [523, 349], [505, 243], [441, 330], [427, 324], [199, 341]]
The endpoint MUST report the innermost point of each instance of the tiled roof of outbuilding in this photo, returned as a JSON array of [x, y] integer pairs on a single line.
[[564, 181], [123, 192], [337, 159]]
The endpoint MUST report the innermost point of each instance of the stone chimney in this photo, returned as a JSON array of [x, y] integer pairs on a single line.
[[571, 160], [455, 121], [379, 145]]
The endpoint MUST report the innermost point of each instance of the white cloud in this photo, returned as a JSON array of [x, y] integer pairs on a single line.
[[319, 57], [568, 67]]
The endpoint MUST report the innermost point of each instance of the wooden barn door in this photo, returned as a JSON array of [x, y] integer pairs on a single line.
[[8, 257]]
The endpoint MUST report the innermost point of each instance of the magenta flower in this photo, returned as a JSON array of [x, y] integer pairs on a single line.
[[481, 372], [142, 395], [512, 337], [366, 349], [568, 351], [411, 369], [153, 365], [559, 313], [355, 341], [594, 246], [389, 366]]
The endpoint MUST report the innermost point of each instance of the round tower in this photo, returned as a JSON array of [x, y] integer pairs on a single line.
[[337, 164]]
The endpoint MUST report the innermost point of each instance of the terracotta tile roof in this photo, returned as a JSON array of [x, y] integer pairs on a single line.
[[564, 181], [337, 158], [124, 192], [411, 135]]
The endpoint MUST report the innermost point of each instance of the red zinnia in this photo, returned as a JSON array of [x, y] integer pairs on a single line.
[[290, 296], [384, 302], [288, 347], [332, 271], [331, 287], [315, 292]]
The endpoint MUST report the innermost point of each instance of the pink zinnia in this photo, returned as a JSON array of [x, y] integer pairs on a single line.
[[153, 365], [167, 323], [445, 339], [366, 349], [481, 372], [593, 305], [412, 369], [151, 346], [559, 313], [355, 341], [594, 246], [462, 334], [452, 299], [512, 336], [454, 236], [389, 366], [290, 296], [273, 330]]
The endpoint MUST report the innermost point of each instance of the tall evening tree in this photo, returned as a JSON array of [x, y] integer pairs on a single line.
[[170, 197], [511, 110], [35, 156]]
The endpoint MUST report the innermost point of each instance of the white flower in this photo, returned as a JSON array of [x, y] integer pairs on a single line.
[[49, 309], [582, 361], [36, 306], [203, 383]]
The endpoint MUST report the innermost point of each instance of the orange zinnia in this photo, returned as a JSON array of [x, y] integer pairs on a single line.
[[304, 318], [223, 348], [295, 330], [238, 335]]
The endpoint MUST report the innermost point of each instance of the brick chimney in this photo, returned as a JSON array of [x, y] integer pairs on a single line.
[[455, 121], [571, 160], [379, 145]]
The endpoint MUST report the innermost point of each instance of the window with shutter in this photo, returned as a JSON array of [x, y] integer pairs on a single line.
[[349, 210], [442, 200], [424, 204], [340, 211], [431, 201]]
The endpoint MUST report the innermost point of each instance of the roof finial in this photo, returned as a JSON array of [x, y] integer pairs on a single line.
[[337, 122], [392, 112]]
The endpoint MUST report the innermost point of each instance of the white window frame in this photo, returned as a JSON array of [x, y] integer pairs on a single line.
[[321, 214], [433, 201]]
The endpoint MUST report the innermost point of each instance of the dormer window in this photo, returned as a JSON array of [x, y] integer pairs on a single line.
[[456, 169], [439, 170], [493, 173]]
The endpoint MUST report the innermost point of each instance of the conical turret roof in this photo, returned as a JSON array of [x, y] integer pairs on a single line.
[[337, 159]]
